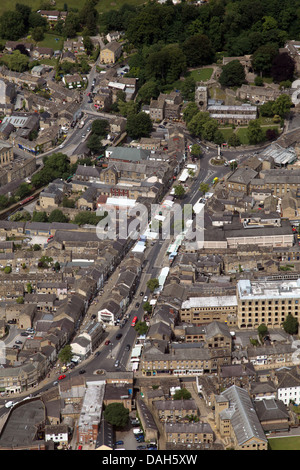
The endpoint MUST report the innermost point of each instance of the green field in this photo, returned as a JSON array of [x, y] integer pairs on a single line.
[[284, 443]]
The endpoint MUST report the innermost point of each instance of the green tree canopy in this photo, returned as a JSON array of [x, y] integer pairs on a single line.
[[233, 74], [65, 354], [283, 67], [198, 50], [153, 284], [58, 216], [254, 132], [12, 25], [139, 125], [263, 57], [182, 394], [291, 325], [100, 127], [282, 105], [141, 327], [116, 414]]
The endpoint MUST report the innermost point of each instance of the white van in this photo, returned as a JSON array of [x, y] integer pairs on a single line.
[[137, 431]]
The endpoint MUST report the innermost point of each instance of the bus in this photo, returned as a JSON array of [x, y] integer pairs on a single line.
[[134, 321]]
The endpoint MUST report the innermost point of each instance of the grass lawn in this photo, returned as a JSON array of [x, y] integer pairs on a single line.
[[285, 443], [201, 74], [226, 133], [50, 41]]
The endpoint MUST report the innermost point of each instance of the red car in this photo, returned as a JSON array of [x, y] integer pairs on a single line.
[[61, 377], [107, 342]]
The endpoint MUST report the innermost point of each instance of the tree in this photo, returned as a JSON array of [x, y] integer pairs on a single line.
[[182, 394], [116, 414], [141, 327], [282, 105], [263, 57], [204, 188], [7, 269], [89, 218], [139, 125], [39, 217], [283, 67], [100, 127], [196, 124], [88, 45], [16, 61], [179, 191], [254, 132], [65, 354], [166, 65], [37, 34], [233, 74], [12, 25], [234, 140], [188, 88], [94, 143], [196, 151], [23, 190], [262, 330], [29, 288], [148, 91], [153, 284], [189, 112], [147, 307], [290, 325], [209, 130], [58, 216], [198, 50]]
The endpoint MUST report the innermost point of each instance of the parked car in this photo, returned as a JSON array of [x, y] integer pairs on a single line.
[[119, 336], [127, 347], [117, 363], [145, 298], [119, 443], [82, 371], [61, 377], [107, 342]]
